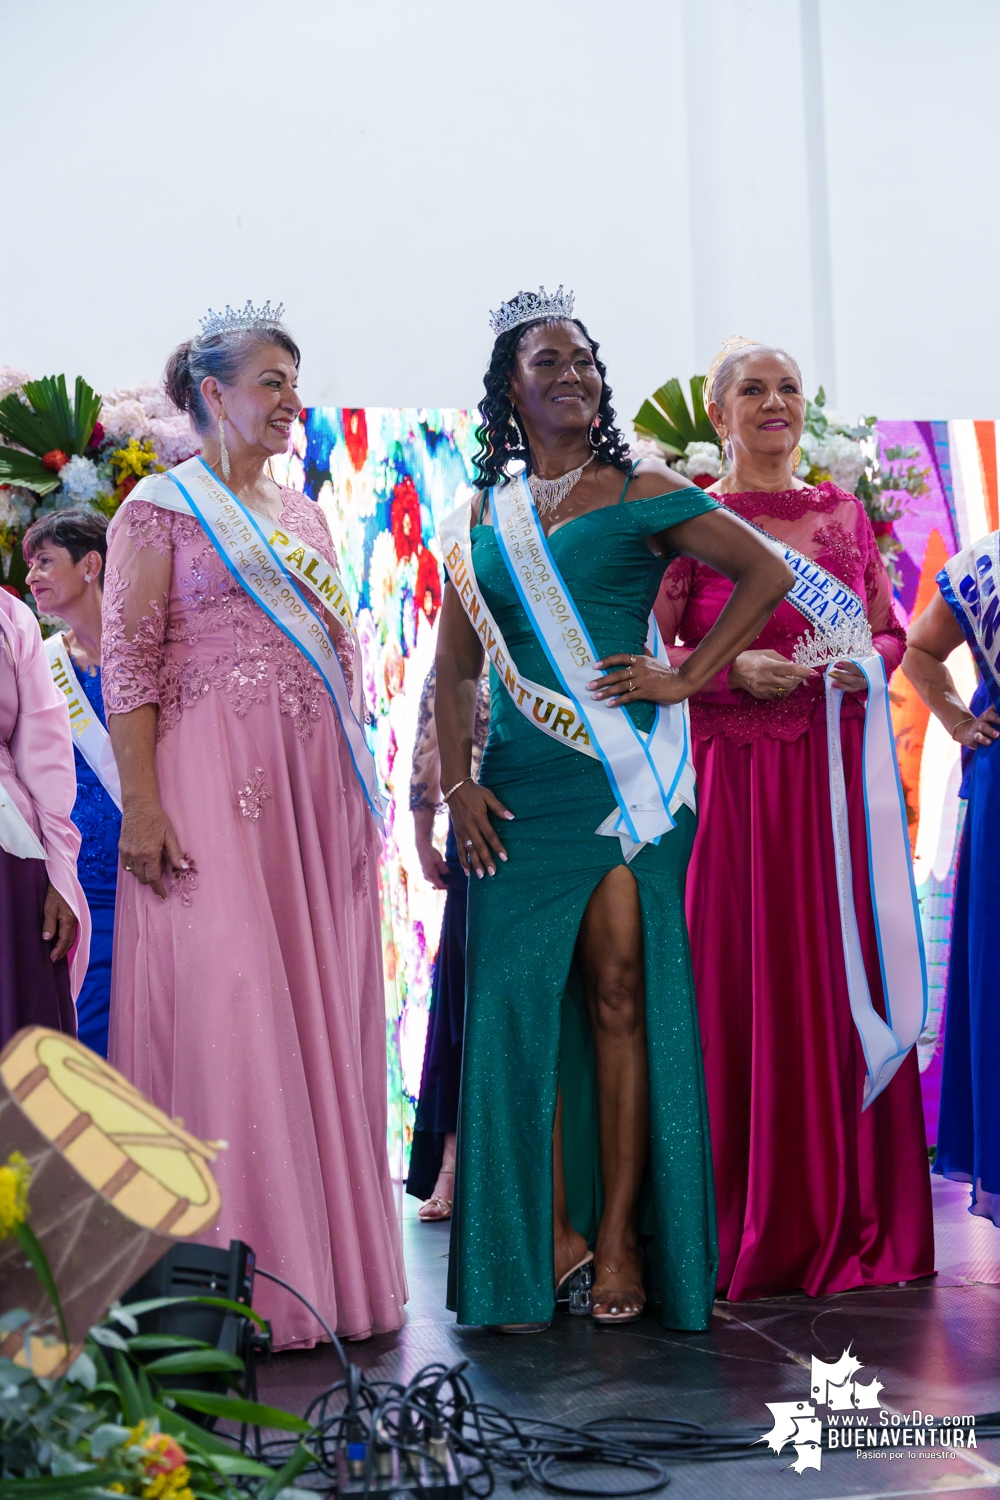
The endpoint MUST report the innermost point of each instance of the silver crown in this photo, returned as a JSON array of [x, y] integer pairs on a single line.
[[241, 322], [846, 641], [526, 307]]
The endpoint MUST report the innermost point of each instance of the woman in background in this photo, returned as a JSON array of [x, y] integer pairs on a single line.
[[43, 913], [812, 1194], [65, 553], [968, 1143], [432, 1156]]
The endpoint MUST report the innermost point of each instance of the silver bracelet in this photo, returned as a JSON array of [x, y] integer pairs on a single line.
[[455, 788]]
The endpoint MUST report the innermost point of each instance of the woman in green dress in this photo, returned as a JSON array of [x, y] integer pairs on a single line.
[[582, 1123]]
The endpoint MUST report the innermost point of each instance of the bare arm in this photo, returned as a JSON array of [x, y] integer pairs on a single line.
[[930, 641], [761, 577], [459, 661]]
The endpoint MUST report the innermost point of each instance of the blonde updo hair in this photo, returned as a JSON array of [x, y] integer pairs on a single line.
[[722, 370]]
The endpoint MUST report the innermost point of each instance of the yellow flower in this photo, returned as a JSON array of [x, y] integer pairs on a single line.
[[14, 1179], [137, 459]]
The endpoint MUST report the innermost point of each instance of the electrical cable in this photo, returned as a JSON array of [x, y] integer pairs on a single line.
[[437, 1433]]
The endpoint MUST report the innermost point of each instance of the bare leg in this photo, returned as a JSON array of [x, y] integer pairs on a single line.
[[568, 1247], [438, 1205], [610, 947]]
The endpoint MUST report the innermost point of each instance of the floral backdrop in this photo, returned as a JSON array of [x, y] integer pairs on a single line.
[[386, 476]]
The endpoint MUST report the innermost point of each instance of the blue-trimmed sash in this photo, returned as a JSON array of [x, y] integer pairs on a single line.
[[841, 632], [646, 771], [270, 579], [970, 585], [89, 735]]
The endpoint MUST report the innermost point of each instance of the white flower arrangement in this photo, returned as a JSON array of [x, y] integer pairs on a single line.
[[81, 482], [699, 459]]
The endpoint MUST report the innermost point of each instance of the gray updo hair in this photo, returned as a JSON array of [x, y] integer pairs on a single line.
[[222, 355], [723, 368]]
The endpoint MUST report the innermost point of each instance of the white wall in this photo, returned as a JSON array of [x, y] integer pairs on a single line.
[[820, 173]]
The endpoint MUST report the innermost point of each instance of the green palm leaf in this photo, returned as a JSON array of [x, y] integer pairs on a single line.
[[46, 419], [667, 417], [24, 468]]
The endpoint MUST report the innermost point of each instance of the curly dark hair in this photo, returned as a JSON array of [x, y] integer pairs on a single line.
[[496, 409]]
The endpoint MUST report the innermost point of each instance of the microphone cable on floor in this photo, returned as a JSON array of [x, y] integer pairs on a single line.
[[431, 1437]]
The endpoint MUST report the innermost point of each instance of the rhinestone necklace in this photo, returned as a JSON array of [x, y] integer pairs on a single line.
[[548, 494]]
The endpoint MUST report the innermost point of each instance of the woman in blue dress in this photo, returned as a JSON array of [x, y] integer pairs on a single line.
[[968, 1144], [65, 553]]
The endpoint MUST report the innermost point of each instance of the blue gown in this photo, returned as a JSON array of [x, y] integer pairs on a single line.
[[99, 822], [968, 1148]]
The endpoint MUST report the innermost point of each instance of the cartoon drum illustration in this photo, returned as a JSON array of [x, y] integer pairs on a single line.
[[114, 1181]]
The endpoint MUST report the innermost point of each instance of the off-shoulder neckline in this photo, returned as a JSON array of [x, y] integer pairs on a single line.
[[599, 510]]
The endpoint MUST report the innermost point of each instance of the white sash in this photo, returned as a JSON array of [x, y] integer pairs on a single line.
[[841, 632], [89, 734], [257, 564], [16, 834], [970, 585], [550, 711], [649, 774]]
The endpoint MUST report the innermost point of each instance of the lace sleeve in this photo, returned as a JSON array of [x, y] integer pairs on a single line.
[[137, 584], [888, 635]]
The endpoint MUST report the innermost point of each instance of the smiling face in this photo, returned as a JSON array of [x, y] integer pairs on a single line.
[[763, 408], [556, 386], [262, 402], [57, 582]]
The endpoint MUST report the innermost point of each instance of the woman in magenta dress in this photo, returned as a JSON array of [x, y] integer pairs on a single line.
[[247, 992], [812, 1193]]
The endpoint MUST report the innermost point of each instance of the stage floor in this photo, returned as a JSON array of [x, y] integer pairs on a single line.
[[934, 1345]]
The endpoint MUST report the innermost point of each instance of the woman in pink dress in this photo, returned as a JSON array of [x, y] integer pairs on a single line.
[[44, 921], [247, 991], [812, 1193]]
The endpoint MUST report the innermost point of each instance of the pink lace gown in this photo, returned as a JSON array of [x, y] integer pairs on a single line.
[[811, 1193], [250, 1001]]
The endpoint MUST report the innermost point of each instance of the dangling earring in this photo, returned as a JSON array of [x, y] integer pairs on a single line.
[[796, 457], [518, 442], [223, 448], [595, 430], [727, 449]]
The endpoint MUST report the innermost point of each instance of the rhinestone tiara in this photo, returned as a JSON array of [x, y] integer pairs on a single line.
[[526, 307], [241, 322]]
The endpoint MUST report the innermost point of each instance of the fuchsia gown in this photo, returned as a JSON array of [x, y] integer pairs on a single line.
[[250, 1001], [812, 1194]]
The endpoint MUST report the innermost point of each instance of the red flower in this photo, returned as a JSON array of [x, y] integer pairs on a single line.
[[55, 459], [128, 484], [704, 480], [165, 1454], [882, 528], [96, 437], [405, 516], [356, 435], [428, 585], [10, 589]]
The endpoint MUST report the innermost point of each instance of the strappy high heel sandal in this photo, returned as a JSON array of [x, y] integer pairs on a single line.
[[614, 1316], [573, 1288], [440, 1208]]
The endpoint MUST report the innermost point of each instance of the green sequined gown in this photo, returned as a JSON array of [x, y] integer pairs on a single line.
[[527, 1028]]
